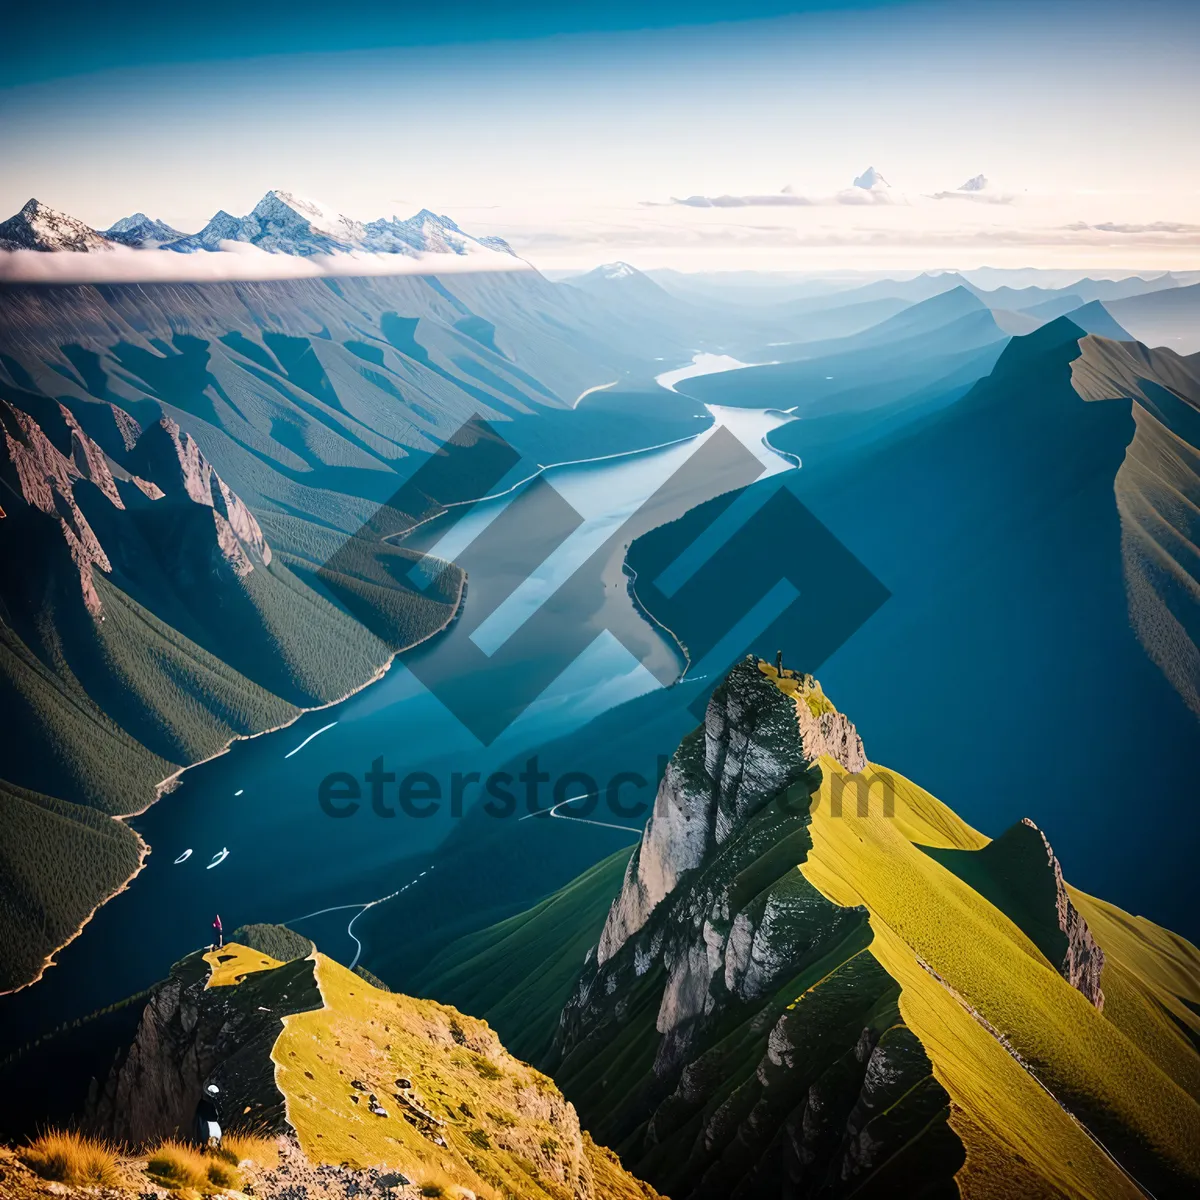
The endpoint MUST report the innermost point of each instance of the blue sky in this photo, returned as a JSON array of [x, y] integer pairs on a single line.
[[575, 131]]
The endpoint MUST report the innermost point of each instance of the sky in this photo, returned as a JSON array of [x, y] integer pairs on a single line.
[[704, 136]]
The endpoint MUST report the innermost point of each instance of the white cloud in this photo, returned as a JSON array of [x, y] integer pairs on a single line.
[[869, 188], [785, 199], [1165, 228], [234, 261]]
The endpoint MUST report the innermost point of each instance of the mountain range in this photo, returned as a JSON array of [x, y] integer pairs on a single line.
[[280, 222], [809, 977]]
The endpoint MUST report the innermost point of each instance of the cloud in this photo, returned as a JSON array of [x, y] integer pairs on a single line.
[[869, 188], [785, 199], [862, 196], [1173, 228], [234, 261]]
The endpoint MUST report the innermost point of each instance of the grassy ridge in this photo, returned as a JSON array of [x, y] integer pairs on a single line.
[[452, 1106], [967, 973]]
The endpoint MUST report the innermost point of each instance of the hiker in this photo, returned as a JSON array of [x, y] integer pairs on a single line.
[[219, 932]]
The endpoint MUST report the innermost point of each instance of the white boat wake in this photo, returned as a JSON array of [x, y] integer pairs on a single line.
[[309, 739], [218, 859], [184, 856]]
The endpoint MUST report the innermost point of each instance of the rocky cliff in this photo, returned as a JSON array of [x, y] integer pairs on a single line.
[[746, 751], [164, 466], [197, 1045], [802, 993]]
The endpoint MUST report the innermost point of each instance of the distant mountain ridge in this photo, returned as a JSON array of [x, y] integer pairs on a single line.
[[281, 222]]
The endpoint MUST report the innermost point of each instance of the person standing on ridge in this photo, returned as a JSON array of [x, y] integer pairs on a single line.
[[219, 931]]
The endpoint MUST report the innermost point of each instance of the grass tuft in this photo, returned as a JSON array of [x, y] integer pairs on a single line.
[[68, 1157], [177, 1165], [223, 1174], [236, 1148]]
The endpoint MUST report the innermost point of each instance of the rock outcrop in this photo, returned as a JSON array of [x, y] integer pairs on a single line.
[[45, 478], [361, 1077], [1083, 961], [199, 1045], [736, 1086], [175, 463], [47, 464], [746, 751]]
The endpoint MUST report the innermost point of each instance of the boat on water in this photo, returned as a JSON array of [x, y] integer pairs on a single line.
[[218, 859], [184, 856]]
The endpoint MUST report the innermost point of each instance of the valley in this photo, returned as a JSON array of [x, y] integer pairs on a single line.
[[376, 589]]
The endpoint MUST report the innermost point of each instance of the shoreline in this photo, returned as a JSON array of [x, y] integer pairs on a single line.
[[166, 786]]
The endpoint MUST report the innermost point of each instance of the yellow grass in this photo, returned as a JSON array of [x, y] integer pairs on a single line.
[[232, 963], [967, 971], [1151, 983], [69, 1157], [461, 1077], [180, 1166], [249, 1147]]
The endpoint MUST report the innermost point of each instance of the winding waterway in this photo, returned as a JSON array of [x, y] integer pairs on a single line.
[[550, 636]]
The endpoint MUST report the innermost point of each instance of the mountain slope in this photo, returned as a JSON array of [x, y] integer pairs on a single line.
[[362, 1077], [997, 513], [818, 981], [695, 323], [146, 623], [140, 230], [1169, 317], [518, 974], [1158, 497]]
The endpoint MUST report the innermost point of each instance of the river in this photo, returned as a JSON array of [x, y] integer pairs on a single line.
[[549, 638]]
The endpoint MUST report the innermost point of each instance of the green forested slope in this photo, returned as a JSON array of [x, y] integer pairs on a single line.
[[518, 973]]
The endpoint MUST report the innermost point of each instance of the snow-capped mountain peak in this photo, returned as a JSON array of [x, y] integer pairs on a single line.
[[294, 214], [871, 180], [125, 224], [140, 231], [39, 227], [977, 183]]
